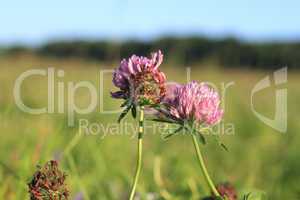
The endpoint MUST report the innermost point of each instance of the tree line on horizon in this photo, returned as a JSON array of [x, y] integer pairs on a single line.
[[228, 52]]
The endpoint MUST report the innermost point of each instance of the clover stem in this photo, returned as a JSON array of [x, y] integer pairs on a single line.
[[203, 167], [140, 151]]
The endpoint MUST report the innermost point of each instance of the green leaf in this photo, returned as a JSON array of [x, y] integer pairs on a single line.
[[133, 111], [201, 138], [123, 114], [173, 132], [246, 196], [224, 146], [217, 138], [162, 120], [127, 102], [255, 195], [155, 106], [218, 198], [168, 136]]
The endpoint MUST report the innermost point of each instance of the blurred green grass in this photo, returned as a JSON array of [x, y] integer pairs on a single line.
[[102, 168]]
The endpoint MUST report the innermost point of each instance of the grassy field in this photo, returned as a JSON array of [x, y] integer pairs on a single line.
[[101, 167]]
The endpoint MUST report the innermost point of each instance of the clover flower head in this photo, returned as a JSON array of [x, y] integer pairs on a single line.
[[227, 190], [48, 182], [194, 102], [140, 79]]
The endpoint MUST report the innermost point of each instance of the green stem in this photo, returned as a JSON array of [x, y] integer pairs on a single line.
[[140, 150], [203, 168]]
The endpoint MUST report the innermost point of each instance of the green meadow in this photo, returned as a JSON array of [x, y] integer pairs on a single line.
[[100, 163]]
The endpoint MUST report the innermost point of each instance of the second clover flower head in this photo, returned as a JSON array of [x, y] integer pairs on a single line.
[[140, 80], [193, 102]]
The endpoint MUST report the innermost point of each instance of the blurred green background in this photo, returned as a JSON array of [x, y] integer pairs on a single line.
[[100, 167], [221, 41]]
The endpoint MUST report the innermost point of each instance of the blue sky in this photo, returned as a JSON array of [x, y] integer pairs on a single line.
[[36, 21]]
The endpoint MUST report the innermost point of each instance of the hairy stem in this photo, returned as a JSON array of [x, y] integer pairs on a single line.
[[203, 167], [140, 151]]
